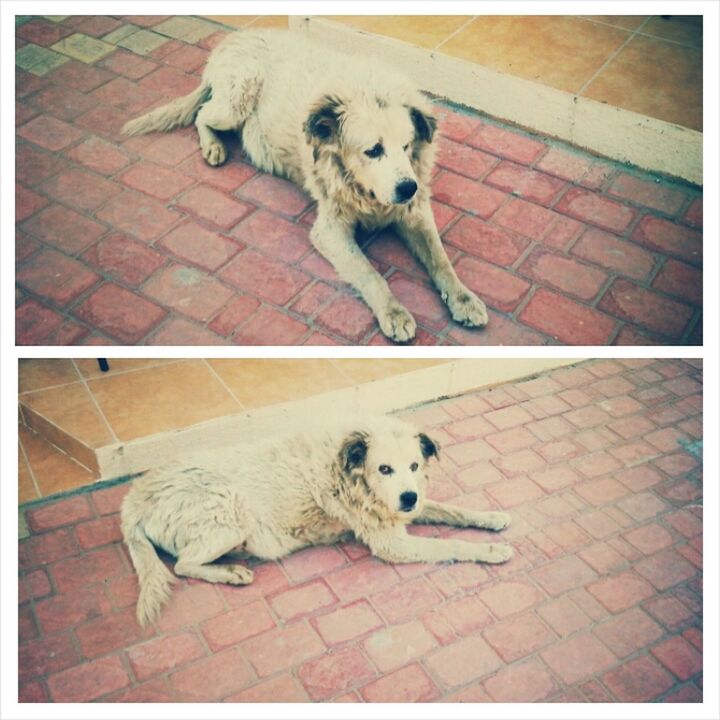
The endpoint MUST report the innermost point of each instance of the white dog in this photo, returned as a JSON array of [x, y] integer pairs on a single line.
[[357, 136], [270, 499]]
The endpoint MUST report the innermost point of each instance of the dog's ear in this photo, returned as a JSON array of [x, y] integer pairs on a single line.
[[354, 451], [424, 123], [323, 122], [428, 446]]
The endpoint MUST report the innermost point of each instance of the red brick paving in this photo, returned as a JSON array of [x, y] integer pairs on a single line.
[[564, 247], [602, 601]]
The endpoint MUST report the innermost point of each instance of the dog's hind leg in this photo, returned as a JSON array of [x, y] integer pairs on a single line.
[[195, 558], [212, 116], [434, 512], [233, 99]]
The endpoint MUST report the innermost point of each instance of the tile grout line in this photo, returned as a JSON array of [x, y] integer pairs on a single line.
[[343, 372], [685, 44], [454, 33], [30, 469], [612, 57], [115, 373], [223, 383], [95, 402]]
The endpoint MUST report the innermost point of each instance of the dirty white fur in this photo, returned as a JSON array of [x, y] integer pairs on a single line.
[[270, 499], [310, 114]]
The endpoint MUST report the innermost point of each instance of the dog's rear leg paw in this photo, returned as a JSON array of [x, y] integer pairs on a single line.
[[467, 308], [214, 153], [240, 575], [495, 553], [397, 323]]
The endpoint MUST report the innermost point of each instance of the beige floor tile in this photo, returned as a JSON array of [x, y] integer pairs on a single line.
[[425, 31], [362, 370], [71, 408], [35, 374], [26, 487], [628, 22], [54, 471], [89, 367], [260, 382], [561, 52], [654, 78], [161, 398], [685, 29]]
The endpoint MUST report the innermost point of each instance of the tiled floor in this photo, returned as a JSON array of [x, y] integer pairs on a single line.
[[137, 398], [137, 241], [600, 466], [642, 63]]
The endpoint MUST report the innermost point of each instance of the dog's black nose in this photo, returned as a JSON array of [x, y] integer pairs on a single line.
[[405, 190], [407, 501]]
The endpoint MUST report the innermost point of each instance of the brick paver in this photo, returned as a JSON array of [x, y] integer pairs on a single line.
[[564, 247], [602, 601]]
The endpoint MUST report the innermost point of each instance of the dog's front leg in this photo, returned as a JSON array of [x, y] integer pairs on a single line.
[[419, 232], [434, 512], [334, 239], [395, 545]]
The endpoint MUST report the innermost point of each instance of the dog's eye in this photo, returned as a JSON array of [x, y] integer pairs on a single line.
[[386, 470], [414, 467], [405, 147], [375, 151]]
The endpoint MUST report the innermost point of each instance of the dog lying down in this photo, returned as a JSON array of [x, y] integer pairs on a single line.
[[355, 134], [267, 500]]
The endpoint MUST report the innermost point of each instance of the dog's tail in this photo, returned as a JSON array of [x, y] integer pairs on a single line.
[[178, 113], [154, 578]]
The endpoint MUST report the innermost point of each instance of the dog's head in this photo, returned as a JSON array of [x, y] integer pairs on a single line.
[[389, 468], [375, 141]]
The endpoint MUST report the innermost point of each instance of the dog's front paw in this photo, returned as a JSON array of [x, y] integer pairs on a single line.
[[495, 553], [397, 323], [214, 153], [467, 308], [496, 520]]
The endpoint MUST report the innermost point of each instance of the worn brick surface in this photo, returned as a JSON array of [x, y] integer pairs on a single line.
[[602, 601], [567, 320]]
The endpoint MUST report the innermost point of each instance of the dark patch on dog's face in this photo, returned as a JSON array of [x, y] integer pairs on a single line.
[[424, 124], [428, 446], [324, 121], [354, 451], [347, 176]]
